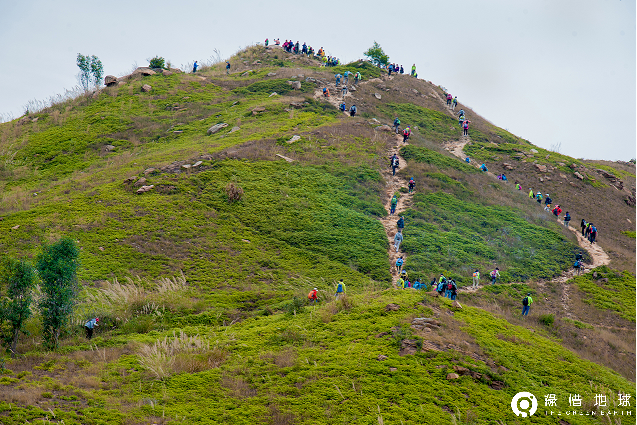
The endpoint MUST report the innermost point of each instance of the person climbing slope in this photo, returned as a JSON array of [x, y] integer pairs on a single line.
[[557, 211], [411, 184], [526, 304], [398, 238], [313, 296], [495, 274], [326, 92], [340, 289], [338, 79], [401, 223], [357, 77], [518, 186], [547, 202], [583, 226], [531, 194], [227, 67], [449, 97], [484, 168], [465, 127], [346, 75], [392, 205], [454, 103], [352, 111], [400, 283], [567, 219], [538, 197], [399, 264], [396, 124], [476, 278], [342, 107], [413, 70], [406, 134], [394, 163], [593, 235], [344, 91]]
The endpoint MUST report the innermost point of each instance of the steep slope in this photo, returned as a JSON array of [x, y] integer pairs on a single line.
[[215, 329]]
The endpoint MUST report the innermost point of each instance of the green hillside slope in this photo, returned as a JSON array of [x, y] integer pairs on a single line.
[[201, 280]]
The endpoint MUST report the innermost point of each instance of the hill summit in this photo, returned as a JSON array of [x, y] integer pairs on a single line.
[[208, 207]]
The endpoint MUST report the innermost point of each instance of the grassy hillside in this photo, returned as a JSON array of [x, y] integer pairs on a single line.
[[202, 294]]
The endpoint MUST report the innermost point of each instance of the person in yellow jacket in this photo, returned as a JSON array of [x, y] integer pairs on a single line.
[[340, 289], [476, 278], [531, 194], [400, 283]]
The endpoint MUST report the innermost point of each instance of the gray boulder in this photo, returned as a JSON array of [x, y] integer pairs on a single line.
[[215, 128]]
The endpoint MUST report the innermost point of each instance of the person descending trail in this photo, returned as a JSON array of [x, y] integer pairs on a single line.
[[526, 304], [394, 202], [531, 194], [557, 211], [484, 168], [547, 202], [412, 184], [396, 124], [344, 91], [454, 103], [398, 239], [406, 134], [593, 234], [578, 263], [338, 79], [352, 111], [342, 107]]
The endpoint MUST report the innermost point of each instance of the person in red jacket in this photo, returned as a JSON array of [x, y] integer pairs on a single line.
[[557, 211], [313, 296]]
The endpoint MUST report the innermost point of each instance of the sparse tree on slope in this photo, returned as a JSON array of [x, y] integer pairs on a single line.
[[18, 278], [91, 71], [376, 55], [57, 266]]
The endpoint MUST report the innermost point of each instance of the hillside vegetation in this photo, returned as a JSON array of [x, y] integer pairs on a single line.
[[201, 280]]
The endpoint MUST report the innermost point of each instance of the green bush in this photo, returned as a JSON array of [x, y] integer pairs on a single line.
[[547, 320], [157, 62]]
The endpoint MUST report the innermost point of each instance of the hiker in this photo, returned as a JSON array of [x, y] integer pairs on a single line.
[[453, 291], [227, 67], [484, 168], [587, 232], [394, 164], [567, 219], [441, 284], [454, 103], [88, 326], [296, 48], [465, 127], [357, 77], [467, 160], [400, 283], [338, 79], [504, 177], [304, 49], [194, 67], [449, 97], [547, 203], [342, 107], [396, 124], [267, 42], [413, 70], [557, 211], [476, 278], [402, 70], [417, 285], [411, 184], [538, 197], [340, 289], [313, 296], [494, 275], [398, 238], [593, 235], [326, 92], [344, 91], [401, 223], [433, 284], [518, 186], [531, 194], [346, 75], [352, 111], [324, 60], [399, 264], [583, 226], [277, 42], [406, 134], [526, 304], [577, 266], [392, 205], [461, 117], [390, 68]]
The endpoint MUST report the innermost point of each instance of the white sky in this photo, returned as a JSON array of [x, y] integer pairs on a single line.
[[551, 71]]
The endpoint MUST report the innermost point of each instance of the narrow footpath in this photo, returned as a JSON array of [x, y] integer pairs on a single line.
[[394, 183]]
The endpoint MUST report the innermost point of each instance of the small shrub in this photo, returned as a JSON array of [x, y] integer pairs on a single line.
[[234, 193], [295, 306], [47, 395], [547, 320], [157, 62]]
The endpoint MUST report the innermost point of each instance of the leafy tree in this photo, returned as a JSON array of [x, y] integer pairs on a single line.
[[57, 266], [157, 62], [15, 308], [376, 55], [91, 71]]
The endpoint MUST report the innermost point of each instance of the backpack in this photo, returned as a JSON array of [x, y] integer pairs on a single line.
[[449, 286], [577, 264], [339, 288], [493, 273], [475, 274], [412, 183], [525, 301], [465, 125], [394, 161]]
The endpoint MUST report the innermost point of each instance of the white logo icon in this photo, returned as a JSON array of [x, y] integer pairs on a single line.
[[524, 404]]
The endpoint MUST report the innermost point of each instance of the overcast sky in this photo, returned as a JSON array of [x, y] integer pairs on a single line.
[[555, 72]]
